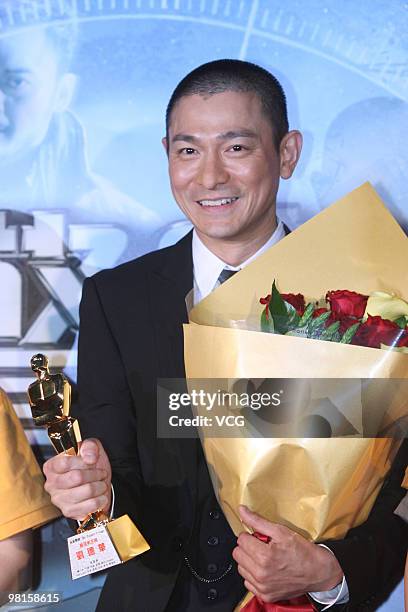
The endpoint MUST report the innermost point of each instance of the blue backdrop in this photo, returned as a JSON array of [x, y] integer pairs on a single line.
[[84, 86]]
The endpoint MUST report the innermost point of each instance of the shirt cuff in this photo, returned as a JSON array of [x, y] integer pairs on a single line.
[[338, 595], [113, 503]]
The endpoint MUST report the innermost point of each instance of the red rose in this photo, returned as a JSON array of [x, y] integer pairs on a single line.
[[318, 312], [403, 341], [346, 323], [265, 302], [345, 303], [376, 331], [297, 301]]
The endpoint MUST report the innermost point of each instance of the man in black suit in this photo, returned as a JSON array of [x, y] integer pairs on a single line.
[[228, 144]]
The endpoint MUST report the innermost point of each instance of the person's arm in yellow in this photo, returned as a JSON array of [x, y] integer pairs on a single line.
[[24, 503], [15, 564]]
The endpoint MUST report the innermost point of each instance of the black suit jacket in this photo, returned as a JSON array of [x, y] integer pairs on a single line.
[[130, 335]]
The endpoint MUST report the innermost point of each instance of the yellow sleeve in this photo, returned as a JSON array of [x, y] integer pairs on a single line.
[[24, 503]]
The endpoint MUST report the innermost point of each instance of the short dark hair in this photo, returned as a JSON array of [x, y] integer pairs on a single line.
[[236, 75]]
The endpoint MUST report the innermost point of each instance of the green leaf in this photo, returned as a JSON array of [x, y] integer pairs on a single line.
[[266, 323], [307, 315], [329, 332], [402, 321], [294, 318], [277, 305], [319, 321], [279, 310], [349, 333]]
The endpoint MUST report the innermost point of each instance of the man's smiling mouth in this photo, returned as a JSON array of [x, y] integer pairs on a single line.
[[218, 201]]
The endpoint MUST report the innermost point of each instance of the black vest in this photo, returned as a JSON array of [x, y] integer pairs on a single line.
[[209, 554]]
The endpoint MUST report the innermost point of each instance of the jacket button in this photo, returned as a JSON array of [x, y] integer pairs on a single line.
[[212, 541], [212, 568], [215, 515], [212, 594]]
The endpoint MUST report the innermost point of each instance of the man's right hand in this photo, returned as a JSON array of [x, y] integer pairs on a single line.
[[82, 484]]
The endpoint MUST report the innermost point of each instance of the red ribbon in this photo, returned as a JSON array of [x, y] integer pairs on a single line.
[[296, 604]]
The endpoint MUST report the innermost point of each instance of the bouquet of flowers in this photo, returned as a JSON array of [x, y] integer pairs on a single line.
[[281, 478], [377, 321]]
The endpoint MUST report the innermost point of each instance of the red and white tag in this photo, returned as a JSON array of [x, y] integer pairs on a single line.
[[91, 551]]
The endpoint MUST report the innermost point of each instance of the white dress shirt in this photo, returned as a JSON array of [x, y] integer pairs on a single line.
[[207, 266], [206, 269]]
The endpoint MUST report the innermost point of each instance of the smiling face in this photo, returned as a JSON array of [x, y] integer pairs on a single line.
[[31, 90], [225, 169]]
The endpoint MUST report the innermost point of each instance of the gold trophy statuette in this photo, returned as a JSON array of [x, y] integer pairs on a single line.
[[50, 401]]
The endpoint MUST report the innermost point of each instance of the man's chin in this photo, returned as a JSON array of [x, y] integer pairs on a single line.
[[216, 233]]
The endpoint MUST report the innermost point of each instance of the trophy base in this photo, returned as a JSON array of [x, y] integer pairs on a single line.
[[100, 548], [126, 538]]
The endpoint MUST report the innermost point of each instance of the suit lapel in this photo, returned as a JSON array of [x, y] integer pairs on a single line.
[[169, 284]]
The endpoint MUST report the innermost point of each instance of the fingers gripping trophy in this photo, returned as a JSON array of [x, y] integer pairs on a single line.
[[117, 540]]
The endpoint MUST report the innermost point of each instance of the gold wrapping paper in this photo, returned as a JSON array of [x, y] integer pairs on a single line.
[[354, 244], [318, 487], [126, 537]]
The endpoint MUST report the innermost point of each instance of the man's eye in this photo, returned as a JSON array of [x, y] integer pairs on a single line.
[[187, 151], [14, 83], [237, 148]]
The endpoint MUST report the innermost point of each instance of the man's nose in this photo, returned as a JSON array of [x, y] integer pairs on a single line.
[[212, 171]]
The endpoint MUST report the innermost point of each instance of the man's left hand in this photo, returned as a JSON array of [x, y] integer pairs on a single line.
[[287, 566]]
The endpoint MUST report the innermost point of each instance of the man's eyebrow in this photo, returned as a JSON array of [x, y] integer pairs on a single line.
[[16, 71], [184, 138], [239, 133]]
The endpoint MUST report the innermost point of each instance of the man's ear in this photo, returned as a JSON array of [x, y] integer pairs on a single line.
[[289, 152], [65, 92], [165, 145]]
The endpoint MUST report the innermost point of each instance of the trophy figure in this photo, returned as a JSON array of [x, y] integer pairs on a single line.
[[50, 401]]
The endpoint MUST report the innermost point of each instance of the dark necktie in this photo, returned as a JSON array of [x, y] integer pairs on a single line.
[[225, 275]]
